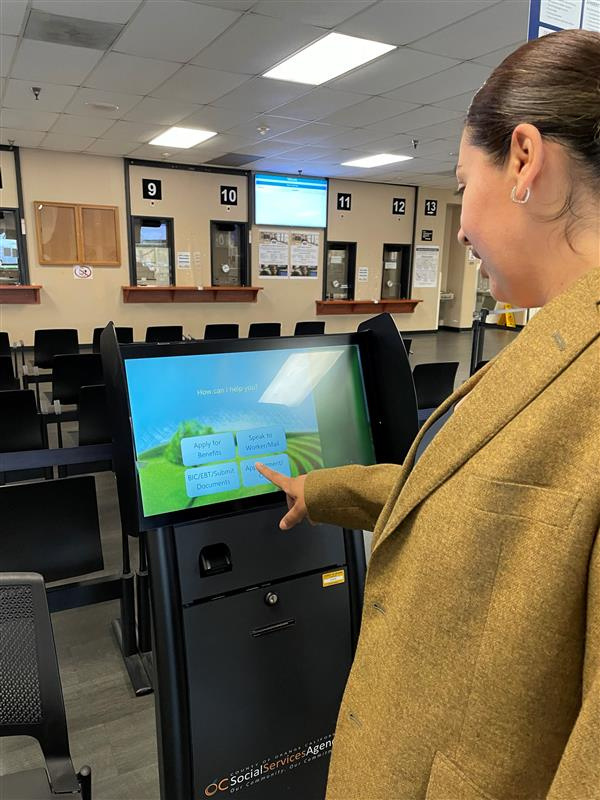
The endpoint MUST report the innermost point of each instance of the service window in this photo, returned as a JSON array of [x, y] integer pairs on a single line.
[[228, 253], [154, 251], [10, 259]]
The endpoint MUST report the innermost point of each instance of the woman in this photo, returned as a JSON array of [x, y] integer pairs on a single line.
[[477, 673]]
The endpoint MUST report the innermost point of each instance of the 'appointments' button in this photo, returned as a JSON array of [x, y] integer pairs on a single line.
[[252, 477], [206, 449], [212, 480], [255, 441]]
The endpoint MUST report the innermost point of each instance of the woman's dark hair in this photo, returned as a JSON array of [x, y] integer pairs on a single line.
[[553, 83]]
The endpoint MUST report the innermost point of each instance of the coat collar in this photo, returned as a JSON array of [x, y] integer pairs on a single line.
[[497, 393]]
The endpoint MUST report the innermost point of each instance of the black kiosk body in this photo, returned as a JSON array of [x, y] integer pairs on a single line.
[[254, 629]]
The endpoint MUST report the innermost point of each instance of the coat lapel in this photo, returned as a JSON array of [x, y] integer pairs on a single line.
[[497, 393]]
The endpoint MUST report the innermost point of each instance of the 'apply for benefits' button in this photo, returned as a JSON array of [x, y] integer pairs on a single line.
[[255, 441], [251, 476], [211, 480], [206, 449]]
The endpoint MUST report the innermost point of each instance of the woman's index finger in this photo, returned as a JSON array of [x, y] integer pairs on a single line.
[[280, 480]]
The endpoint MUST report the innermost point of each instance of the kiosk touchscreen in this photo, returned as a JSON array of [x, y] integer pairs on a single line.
[[201, 420]]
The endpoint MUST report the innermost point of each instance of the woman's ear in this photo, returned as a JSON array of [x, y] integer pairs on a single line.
[[526, 157]]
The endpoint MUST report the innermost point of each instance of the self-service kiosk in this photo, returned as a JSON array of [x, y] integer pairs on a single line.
[[254, 629]]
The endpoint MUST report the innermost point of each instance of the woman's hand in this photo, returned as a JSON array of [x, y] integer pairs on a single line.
[[294, 491]]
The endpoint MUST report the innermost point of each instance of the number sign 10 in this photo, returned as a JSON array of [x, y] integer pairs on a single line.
[[229, 195]]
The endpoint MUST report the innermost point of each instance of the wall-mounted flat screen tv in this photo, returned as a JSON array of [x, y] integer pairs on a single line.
[[290, 200]]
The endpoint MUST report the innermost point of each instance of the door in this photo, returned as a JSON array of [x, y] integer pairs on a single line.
[[341, 265], [396, 267], [228, 253]]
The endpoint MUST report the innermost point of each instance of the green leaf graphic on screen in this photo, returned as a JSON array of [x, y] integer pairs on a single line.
[[190, 427]]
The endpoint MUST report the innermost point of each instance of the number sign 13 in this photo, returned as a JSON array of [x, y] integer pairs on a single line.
[[431, 208]]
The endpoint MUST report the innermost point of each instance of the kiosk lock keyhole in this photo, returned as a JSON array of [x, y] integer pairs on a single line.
[[215, 559], [271, 599]]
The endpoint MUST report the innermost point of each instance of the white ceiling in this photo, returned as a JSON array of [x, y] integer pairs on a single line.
[[198, 64]]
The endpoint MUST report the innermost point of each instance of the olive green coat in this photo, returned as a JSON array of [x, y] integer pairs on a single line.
[[477, 673]]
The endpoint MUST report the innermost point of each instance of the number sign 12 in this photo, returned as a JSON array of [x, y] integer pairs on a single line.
[[344, 201], [229, 195], [431, 208], [398, 206], [151, 189]]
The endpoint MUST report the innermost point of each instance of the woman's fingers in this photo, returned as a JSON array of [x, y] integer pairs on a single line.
[[275, 477], [294, 491]]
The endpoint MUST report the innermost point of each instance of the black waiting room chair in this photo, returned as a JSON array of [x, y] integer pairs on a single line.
[[164, 333], [124, 336], [51, 342], [21, 428], [407, 345], [70, 373], [7, 374], [311, 328], [4, 344], [94, 428], [433, 384], [258, 330], [222, 331], [31, 698]]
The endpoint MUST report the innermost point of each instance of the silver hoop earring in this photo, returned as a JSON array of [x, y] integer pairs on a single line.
[[513, 196]]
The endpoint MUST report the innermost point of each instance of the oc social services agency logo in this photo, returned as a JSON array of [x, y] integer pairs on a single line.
[[213, 788]]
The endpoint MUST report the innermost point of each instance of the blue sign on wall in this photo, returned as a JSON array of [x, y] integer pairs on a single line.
[[547, 16]]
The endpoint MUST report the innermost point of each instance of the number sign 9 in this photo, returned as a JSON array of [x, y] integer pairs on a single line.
[[151, 189], [229, 195]]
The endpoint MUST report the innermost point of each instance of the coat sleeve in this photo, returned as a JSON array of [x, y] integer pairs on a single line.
[[578, 773], [351, 497]]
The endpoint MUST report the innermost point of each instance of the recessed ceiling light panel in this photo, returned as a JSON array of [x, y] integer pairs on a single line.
[[376, 161], [327, 58], [182, 137]]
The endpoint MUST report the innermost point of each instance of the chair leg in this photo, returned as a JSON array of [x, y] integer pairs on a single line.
[[85, 781]]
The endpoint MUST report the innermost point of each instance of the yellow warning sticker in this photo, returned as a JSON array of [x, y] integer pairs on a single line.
[[332, 578]]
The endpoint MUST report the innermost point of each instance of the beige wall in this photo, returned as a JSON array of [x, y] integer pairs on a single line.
[[460, 279], [8, 193], [192, 199]]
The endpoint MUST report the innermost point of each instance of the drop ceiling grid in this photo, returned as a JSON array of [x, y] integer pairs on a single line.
[[152, 72]]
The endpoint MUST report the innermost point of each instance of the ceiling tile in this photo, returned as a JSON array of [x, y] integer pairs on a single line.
[[133, 131], [218, 119], [459, 103], [442, 130], [312, 133], [81, 126], [411, 120], [261, 94], [12, 16], [174, 30], [368, 111], [232, 5], [52, 97], [256, 43], [355, 138], [80, 104], [199, 85], [277, 126], [61, 141], [456, 80], [123, 73], [393, 70], [318, 103], [312, 152], [162, 112], [314, 12], [148, 151], [269, 148], [98, 10], [437, 147], [8, 45], [390, 145], [400, 23], [110, 147], [498, 56], [489, 30], [28, 120], [54, 63], [21, 138]]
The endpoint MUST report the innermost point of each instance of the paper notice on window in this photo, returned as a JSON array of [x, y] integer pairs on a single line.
[[391, 265], [591, 16], [561, 13], [427, 260], [184, 260], [274, 254], [305, 254], [363, 274]]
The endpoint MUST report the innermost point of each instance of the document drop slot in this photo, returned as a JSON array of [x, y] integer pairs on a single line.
[[215, 559]]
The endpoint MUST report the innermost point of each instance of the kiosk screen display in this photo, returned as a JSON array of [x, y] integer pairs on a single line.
[[201, 421]]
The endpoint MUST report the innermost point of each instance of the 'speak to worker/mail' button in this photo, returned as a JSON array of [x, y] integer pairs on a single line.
[[255, 441]]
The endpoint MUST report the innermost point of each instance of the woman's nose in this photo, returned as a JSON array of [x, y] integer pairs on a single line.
[[462, 238]]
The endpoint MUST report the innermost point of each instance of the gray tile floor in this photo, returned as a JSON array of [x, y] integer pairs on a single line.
[[110, 729]]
